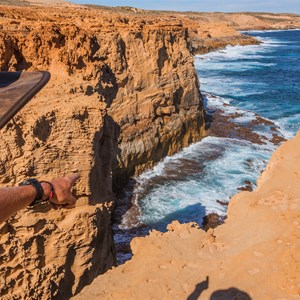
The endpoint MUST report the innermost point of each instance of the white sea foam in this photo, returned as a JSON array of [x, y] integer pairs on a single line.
[[226, 86], [245, 118], [263, 31], [233, 66], [231, 54], [216, 102], [239, 161], [248, 52], [288, 125]]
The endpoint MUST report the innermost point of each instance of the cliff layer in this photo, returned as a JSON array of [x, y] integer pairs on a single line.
[[254, 255], [123, 94], [217, 30], [211, 31]]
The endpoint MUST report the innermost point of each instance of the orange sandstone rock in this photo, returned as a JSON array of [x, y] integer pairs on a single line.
[[123, 93]]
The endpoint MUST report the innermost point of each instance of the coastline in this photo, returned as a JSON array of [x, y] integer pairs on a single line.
[[191, 263], [220, 123], [270, 30], [222, 127], [102, 113]]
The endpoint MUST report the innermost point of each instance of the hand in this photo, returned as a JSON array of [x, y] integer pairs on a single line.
[[62, 188]]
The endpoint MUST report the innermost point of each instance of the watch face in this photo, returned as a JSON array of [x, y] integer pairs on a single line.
[[29, 181], [25, 182]]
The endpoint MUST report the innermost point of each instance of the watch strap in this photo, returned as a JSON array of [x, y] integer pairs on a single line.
[[38, 188], [52, 189]]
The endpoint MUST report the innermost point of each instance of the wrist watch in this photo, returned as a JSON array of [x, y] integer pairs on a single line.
[[38, 188]]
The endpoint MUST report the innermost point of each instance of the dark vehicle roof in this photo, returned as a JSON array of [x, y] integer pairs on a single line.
[[16, 89]]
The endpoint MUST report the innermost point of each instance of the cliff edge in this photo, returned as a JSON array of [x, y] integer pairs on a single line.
[[254, 255]]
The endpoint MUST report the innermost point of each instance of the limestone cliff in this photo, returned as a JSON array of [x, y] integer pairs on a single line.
[[254, 255], [123, 94], [207, 36], [211, 31]]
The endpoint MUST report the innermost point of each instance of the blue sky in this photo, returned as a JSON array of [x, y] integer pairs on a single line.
[[292, 6]]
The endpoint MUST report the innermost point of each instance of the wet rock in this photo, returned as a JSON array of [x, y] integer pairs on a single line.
[[212, 220], [246, 188], [222, 202], [277, 139], [221, 124], [123, 248]]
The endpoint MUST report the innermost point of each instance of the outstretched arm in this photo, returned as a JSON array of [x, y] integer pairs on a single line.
[[13, 199]]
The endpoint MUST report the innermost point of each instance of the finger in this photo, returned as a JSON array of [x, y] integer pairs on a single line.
[[71, 200], [73, 177]]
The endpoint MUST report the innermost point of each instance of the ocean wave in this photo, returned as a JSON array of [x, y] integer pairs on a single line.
[[227, 87], [248, 52], [235, 162], [288, 125], [264, 31]]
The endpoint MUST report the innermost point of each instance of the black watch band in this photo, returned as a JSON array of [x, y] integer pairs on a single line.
[[38, 188]]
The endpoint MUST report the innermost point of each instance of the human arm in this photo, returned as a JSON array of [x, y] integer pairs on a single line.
[[13, 199]]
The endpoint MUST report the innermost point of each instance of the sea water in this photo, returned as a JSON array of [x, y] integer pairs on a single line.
[[245, 82], [264, 79]]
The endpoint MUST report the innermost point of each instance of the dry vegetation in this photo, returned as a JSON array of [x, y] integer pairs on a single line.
[[14, 2]]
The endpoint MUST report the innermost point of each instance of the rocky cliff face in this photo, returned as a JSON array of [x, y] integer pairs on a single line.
[[158, 106], [123, 94]]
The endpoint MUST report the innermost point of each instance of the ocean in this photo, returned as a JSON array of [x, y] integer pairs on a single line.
[[252, 98]]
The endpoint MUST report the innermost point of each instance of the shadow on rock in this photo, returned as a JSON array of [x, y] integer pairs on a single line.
[[200, 287], [229, 294]]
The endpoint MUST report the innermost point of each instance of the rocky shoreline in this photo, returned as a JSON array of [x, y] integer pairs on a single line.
[[219, 123]]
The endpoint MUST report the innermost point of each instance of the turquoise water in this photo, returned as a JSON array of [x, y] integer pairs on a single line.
[[243, 83], [264, 79]]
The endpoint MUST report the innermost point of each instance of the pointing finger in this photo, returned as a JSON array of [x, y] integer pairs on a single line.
[[73, 177], [71, 200]]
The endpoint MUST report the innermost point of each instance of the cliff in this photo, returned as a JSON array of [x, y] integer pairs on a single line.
[[211, 31], [216, 30], [123, 93], [254, 255]]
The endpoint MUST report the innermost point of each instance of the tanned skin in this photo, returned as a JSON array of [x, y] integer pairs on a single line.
[[13, 199]]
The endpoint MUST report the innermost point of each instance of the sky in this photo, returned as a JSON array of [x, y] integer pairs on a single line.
[[291, 6]]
